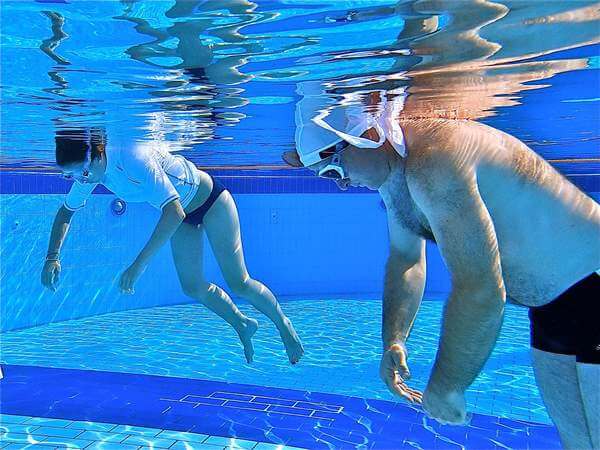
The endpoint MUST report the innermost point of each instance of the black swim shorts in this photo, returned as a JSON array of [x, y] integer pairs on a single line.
[[570, 324]]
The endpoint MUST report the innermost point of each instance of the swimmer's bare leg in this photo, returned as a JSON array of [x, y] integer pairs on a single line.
[[556, 377], [589, 385], [223, 230], [187, 247]]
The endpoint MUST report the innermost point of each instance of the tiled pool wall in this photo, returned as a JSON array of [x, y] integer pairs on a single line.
[[302, 237]]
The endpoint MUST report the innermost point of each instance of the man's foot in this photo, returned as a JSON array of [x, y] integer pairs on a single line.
[[245, 333], [291, 341]]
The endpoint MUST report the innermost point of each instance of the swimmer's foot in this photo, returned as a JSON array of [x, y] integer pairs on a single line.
[[291, 341], [245, 333]]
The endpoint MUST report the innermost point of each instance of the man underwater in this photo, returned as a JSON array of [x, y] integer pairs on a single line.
[[508, 226]]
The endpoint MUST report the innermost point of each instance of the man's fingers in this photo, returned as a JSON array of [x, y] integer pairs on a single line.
[[390, 381], [417, 396], [399, 359], [398, 388]]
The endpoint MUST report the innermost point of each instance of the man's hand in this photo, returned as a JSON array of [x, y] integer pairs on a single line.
[[394, 372], [50, 274], [447, 407], [129, 278]]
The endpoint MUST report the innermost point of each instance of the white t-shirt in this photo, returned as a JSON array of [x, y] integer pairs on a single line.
[[147, 172]]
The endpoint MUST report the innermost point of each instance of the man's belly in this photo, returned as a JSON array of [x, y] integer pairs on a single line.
[[537, 285]]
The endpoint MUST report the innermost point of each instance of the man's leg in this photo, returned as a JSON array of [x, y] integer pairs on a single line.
[[589, 386], [557, 378]]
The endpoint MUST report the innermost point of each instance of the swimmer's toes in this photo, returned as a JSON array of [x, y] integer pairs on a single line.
[[293, 346]]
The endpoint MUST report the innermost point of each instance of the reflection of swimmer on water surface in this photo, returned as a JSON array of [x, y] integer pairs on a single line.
[[196, 34]]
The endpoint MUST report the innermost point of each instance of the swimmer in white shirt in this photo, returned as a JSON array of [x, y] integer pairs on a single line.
[[191, 203]]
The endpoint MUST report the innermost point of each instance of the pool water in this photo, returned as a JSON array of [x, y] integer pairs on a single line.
[[219, 82], [341, 339]]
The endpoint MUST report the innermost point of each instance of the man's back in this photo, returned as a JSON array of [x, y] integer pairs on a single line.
[[547, 229]]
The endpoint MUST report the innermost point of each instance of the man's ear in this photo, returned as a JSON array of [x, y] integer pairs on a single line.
[[292, 158]]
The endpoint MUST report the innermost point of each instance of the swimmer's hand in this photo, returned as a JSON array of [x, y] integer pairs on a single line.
[[448, 407], [129, 278], [394, 373], [50, 274]]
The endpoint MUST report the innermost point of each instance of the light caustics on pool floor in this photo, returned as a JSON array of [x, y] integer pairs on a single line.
[[341, 338]]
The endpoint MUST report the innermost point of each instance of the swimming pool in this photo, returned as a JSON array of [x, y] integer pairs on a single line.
[[218, 82]]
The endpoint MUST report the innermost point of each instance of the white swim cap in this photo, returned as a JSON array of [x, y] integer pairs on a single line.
[[321, 122]]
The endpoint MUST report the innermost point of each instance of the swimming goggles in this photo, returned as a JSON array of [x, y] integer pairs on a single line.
[[334, 170], [82, 177]]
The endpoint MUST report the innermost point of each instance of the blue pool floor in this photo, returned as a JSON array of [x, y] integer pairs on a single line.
[[24, 432], [218, 411], [341, 338]]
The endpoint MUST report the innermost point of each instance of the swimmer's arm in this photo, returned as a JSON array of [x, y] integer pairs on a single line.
[[404, 284], [171, 217], [60, 227], [467, 240]]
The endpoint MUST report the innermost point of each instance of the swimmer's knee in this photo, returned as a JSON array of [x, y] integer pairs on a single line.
[[199, 291], [240, 287]]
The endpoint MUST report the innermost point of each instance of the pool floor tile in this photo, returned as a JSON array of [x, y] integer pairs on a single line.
[[102, 436], [194, 446], [180, 445], [92, 426], [41, 421], [21, 437], [17, 428], [67, 443], [266, 446], [111, 446], [148, 411], [58, 432], [230, 442], [23, 446], [182, 436], [8, 418], [128, 429], [149, 441]]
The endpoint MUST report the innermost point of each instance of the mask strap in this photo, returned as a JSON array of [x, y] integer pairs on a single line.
[[389, 118], [354, 140], [88, 154]]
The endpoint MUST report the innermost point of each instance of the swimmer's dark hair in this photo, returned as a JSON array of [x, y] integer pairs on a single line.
[[73, 145]]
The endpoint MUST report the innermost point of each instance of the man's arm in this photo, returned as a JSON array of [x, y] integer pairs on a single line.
[[403, 290], [467, 240], [404, 284]]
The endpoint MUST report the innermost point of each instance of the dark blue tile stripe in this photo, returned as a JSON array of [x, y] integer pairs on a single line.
[[281, 416], [295, 181]]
